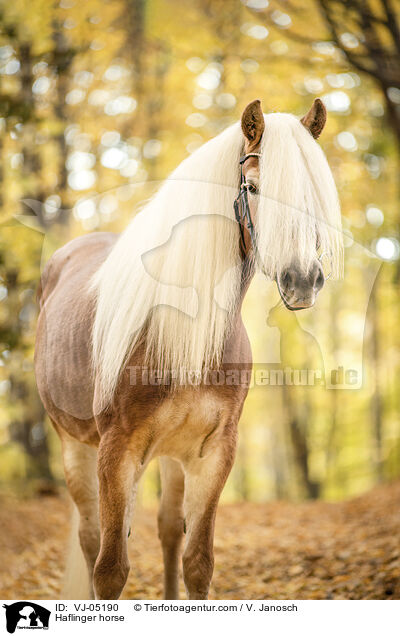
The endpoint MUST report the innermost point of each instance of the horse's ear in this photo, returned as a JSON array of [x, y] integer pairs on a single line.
[[315, 119], [253, 123]]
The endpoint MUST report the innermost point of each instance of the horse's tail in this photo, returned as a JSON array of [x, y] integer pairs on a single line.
[[76, 578]]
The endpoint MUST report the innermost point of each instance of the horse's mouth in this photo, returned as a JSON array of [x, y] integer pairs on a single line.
[[297, 303]]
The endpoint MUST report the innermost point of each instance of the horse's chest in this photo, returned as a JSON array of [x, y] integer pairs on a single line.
[[189, 424]]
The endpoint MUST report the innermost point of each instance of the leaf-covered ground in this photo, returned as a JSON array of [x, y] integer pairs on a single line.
[[278, 550]]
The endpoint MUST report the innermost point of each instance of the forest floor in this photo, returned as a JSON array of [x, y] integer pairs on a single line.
[[312, 550]]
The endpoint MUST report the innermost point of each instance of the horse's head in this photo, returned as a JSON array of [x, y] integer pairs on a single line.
[[295, 227]]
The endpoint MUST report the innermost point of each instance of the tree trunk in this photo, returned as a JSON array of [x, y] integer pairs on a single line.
[[298, 421], [376, 399]]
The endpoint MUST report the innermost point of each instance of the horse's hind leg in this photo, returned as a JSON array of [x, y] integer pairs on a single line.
[[170, 523], [80, 467]]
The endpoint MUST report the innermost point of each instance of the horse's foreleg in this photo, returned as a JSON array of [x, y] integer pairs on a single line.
[[118, 473], [170, 522], [205, 476], [81, 477]]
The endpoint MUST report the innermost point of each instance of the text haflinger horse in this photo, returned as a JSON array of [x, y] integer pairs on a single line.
[[166, 295]]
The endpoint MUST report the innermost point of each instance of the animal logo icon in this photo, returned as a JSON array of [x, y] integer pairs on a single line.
[[26, 615]]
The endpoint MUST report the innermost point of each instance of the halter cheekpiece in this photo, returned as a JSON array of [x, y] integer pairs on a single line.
[[242, 208]]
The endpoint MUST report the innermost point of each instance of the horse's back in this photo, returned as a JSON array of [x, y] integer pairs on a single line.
[[62, 353]]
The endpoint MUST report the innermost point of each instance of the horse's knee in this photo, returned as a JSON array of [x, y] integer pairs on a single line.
[[198, 568], [109, 577]]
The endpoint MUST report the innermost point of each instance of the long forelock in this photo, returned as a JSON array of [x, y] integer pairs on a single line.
[[298, 205]]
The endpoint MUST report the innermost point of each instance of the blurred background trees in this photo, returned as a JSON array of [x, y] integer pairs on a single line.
[[367, 33], [100, 101]]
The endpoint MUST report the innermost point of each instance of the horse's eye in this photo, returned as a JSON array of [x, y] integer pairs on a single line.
[[252, 188]]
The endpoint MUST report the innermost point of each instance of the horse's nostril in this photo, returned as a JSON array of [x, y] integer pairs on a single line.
[[320, 280], [286, 279]]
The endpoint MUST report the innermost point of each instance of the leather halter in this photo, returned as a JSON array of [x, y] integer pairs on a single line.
[[242, 208]]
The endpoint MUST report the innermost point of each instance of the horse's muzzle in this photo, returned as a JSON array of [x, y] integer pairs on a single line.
[[299, 290]]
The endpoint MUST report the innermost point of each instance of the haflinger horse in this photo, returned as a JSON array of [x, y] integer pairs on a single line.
[[166, 296]]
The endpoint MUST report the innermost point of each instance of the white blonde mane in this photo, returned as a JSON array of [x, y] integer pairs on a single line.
[[172, 280]]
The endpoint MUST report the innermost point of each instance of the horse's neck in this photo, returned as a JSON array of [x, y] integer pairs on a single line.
[[236, 346]]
